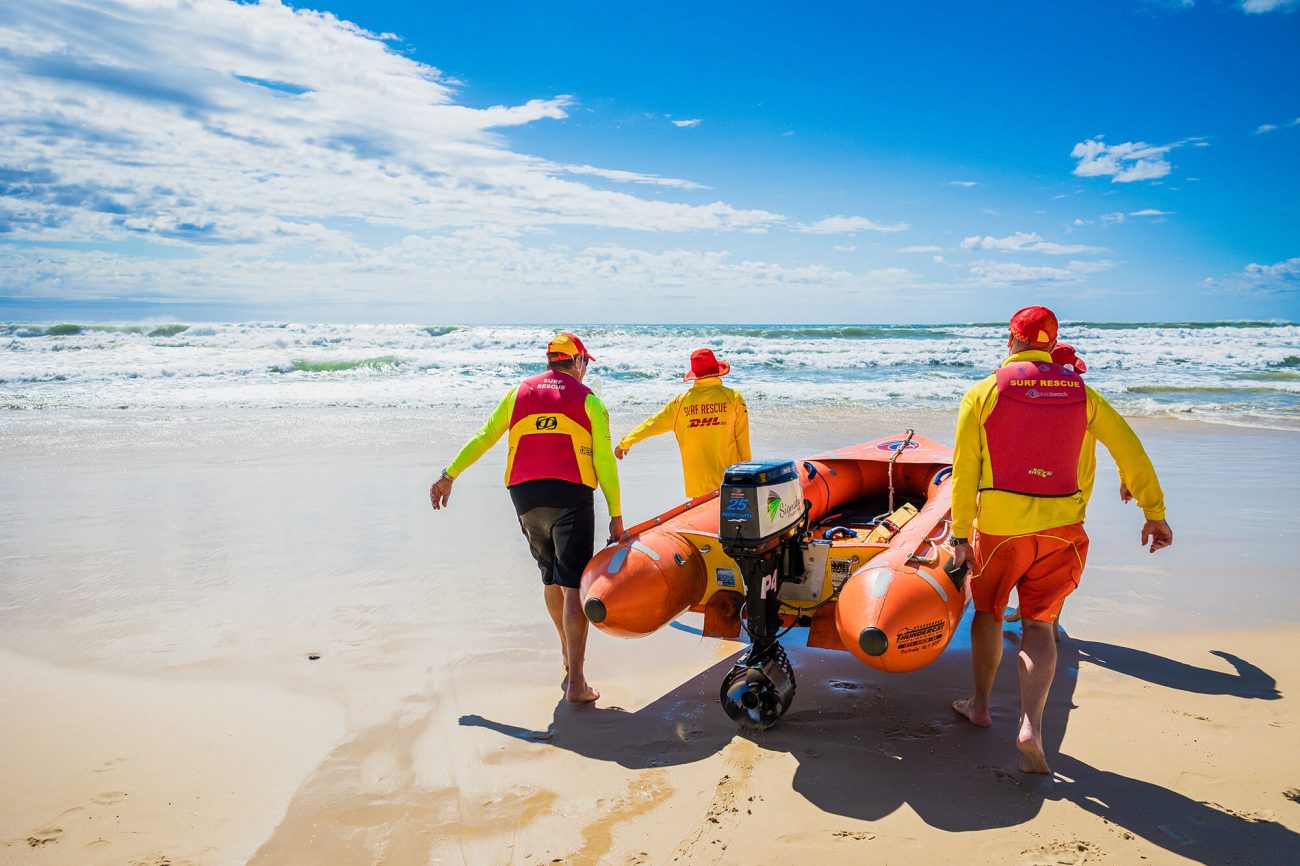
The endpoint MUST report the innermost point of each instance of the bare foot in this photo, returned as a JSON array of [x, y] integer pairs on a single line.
[[1032, 759], [581, 694], [966, 708]]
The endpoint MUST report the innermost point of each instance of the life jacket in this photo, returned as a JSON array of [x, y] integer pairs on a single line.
[[550, 433], [1035, 431]]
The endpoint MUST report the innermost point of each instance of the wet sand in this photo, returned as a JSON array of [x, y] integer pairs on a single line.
[[165, 584]]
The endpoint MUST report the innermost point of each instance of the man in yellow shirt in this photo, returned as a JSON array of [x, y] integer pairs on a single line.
[[1022, 465], [559, 453], [711, 423]]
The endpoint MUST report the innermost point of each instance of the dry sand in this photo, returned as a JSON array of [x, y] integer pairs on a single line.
[[163, 589]]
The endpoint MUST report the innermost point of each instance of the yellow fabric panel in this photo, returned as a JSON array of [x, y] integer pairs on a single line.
[[711, 423], [999, 512], [578, 435], [603, 456]]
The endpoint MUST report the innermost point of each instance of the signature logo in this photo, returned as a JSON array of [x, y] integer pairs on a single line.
[[547, 422]]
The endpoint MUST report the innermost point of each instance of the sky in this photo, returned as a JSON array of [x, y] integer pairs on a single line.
[[521, 162]]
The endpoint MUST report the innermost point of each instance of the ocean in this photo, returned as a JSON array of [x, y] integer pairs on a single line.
[[1242, 373]]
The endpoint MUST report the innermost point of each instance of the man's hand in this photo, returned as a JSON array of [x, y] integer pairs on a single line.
[[1124, 495], [440, 492], [1156, 534], [620, 452], [963, 554], [615, 528]]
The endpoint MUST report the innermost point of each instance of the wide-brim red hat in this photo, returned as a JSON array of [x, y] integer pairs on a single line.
[[704, 365]]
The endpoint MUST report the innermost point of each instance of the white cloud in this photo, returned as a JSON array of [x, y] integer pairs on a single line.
[[1280, 278], [924, 248], [1027, 242], [1012, 273], [1265, 127], [845, 248], [834, 225], [965, 183], [1126, 162], [688, 124], [1259, 7], [270, 148], [1150, 212]]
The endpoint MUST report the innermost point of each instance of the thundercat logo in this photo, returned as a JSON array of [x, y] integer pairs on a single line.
[[547, 422]]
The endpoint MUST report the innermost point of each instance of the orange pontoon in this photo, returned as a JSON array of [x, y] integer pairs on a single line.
[[864, 569]]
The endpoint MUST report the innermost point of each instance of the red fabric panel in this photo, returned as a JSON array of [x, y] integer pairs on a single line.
[[1035, 431]]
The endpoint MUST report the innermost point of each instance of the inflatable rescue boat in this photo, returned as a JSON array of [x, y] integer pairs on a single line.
[[852, 544]]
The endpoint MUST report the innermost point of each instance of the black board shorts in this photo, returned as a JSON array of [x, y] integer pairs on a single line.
[[562, 535]]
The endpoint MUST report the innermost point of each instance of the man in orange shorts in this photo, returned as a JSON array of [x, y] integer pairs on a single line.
[[1022, 459]]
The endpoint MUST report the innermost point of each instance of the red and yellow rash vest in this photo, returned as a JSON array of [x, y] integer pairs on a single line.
[[711, 423], [550, 433], [1003, 512], [1036, 429], [558, 429]]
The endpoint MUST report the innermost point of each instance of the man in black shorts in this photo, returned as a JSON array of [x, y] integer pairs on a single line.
[[559, 452]]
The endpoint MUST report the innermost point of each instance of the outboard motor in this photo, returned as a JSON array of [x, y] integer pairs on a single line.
[[762, 515]]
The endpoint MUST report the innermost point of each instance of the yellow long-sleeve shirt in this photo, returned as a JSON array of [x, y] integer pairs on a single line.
[[711, 423], [1000, 512], [602, 455]]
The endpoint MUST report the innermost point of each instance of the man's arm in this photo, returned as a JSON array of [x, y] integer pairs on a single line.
[[660, 422], [602, 455], [1135, 470], [742, 429], [1137, 475], [495, 427]]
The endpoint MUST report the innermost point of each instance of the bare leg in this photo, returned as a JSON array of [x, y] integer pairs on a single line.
[[555, 607], [579, 691], [1037, 667], [985, 654]]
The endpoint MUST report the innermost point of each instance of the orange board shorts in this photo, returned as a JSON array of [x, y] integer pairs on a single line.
[[1043, 567]]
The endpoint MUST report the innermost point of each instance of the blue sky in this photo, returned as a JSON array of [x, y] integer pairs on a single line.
[[581, 162]]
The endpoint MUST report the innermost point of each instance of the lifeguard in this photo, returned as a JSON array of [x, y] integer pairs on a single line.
[[1022, 468], [710, 421]]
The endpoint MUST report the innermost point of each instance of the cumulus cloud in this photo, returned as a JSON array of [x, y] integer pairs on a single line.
[[1012, 273], [834, 225], [1027, 242], [688, 124], [924, 248], [1126, 162], [1281, 278], [1260, 7], [261, 150]]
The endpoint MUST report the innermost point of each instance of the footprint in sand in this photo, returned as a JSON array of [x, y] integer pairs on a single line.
[[1073, 852], [45, 836], [110, 798], [1292, 794], [109, 765]]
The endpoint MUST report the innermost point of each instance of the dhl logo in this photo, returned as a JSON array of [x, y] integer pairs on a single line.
[[712, 421]]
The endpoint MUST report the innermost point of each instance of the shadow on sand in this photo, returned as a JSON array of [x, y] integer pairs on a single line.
[[867, 743]]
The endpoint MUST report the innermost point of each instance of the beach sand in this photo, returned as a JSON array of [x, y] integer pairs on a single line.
[[166, 582]]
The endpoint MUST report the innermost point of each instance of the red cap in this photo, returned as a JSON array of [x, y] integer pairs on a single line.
[[1034, 326], [565, 347], [705, 366], [1064, 355]]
